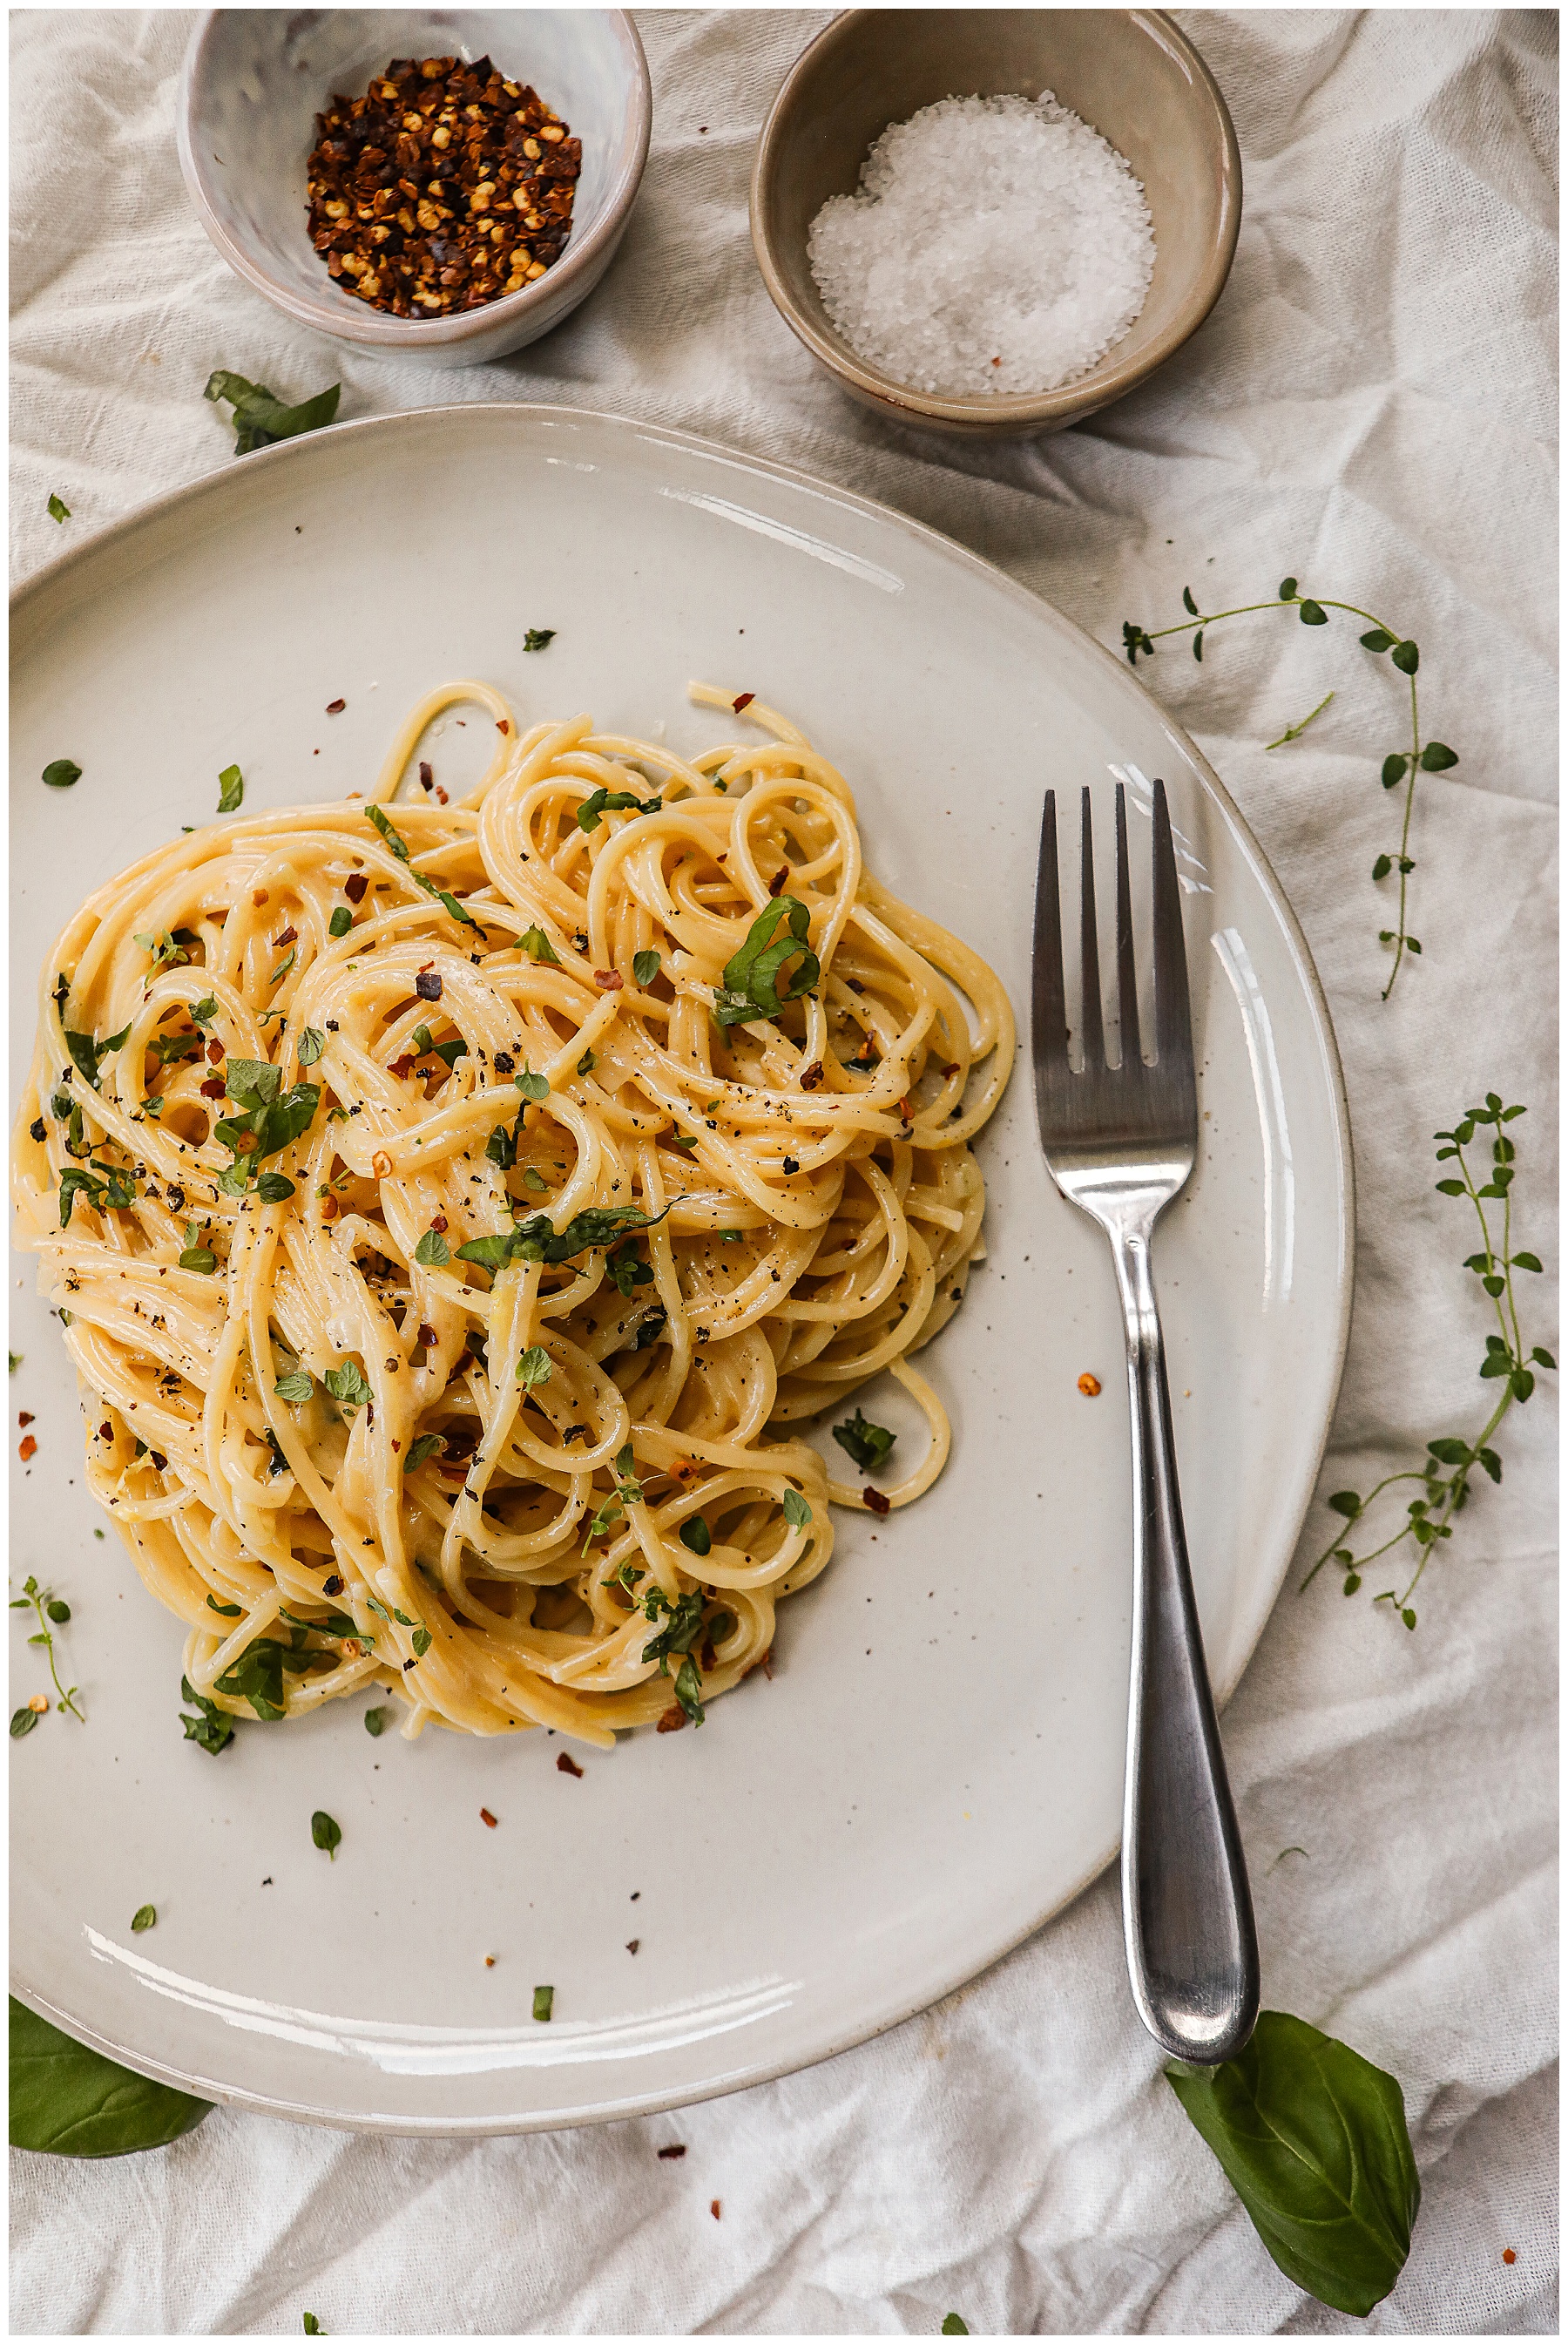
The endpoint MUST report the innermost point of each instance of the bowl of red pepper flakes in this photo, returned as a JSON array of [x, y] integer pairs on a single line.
[[443, 184]]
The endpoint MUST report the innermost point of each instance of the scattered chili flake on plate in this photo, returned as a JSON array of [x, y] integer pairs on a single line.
[[1089, 1385], [566, 1764], [745, 700], [28, 1447], [875, 1502], [714, 2209], [335, 707], [486, 1817], [676, 2149]]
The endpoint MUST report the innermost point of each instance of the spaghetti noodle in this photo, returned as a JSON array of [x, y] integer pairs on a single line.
[[451, 1209]]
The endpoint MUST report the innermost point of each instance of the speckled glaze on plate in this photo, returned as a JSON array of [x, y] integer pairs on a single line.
[[936, 1764]]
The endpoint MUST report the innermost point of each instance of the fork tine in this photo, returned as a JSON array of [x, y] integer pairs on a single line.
[[1172, 1012], [1049, 1022], [1093, 1026], [1126, 965]]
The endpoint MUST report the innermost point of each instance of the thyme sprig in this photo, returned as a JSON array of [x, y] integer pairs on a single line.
[[48, 1606], [1450, 1461], [1398, 765]]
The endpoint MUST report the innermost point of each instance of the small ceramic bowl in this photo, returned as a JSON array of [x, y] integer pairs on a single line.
[[256, 78], [1128, 72]]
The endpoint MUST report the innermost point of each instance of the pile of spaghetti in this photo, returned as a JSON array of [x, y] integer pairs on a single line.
[[451, 1207]]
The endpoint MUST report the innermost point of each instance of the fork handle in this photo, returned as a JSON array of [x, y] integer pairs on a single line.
[[1186, 1908]]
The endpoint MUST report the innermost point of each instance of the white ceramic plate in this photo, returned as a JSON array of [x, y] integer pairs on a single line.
[[936, 1765]]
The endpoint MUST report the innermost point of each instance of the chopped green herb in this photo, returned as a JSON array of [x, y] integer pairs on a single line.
[[537, 637], [311, 2324], [696, 1536], [260, 418], [22, 1721], [274, 1186], [63, 774], [15, 1358], [421, 1643], [796, 1512], [432, 1252], [89, 1052], [399, 847], [325, 1833], [347, 1385], [41, 1598], [295, 1388], [750, 979], [167, 951], [602, 802], [544, 2001], [257, 1677], [538, 945], [57, 509], [214, 1730], [197, 1256], [536, 1239], [374, 1722], [953, 2326], [205, 1012], [231, 789], [534, 1367], [229, 1611], [531, 1180], [532, 1086], [867, 1444], [688, 1689], [341, 922], [284, 966], [430, 1444], [145, 1917], [645, 967]]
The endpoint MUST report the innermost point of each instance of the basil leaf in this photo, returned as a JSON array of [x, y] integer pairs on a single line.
[[750, 978], [491, 1253], [538, 945], [145, 1916], [432, 1252], [696, 1536], [645, 967], [274, 1186], [341, 922], [295, 1389], [63, 773], [532, 1086], [87, 1051], [260, 418], [868, 1444], [68, 2101], [325, 1833], [544, 2001], [1312, 2139], [796, 1512], [374, 1722], [256, 1677], [22, 1721], [214, 1730], [535, 639], [534, 1367], [421, 1643], [430, 1444], [231, 789], [229, 1611], [57, 509], [347, 1385], [253, 1082], [311, 1044], [688, 1690], [205, 1012], [603, 802]]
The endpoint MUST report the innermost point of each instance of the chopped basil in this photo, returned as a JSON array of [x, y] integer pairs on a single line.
[[22, 1721], [531, 1180], [260, 418], [214, 1730], [295, 1388], [311, 1044], [274, 1186], [696, 1536], [197, 1256], [645, 967], [284, 966], [325, 1833], [432, 1252], [311, 2325], [421, 1641], [374, 1722], [167, 951], [89, 1052], [544, 2001], [57, 509], [15, 1358], [231, 789], [205, 1012], [532, 1086], [538, 945], [399, 847], [796, 1512], [750, 978], [867, 1444], [586, 1063], [688, 1690], [536, 1239], [341, 922], [63, 773], [145, 1917], [721, 1626], [347, 1385], [627, 1270], [602, 802], [257, 1677], [534, 1367], [229, 1610], [537, 637], [430, 1444]]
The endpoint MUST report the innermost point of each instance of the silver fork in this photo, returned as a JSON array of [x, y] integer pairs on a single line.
[[1120, 1143]]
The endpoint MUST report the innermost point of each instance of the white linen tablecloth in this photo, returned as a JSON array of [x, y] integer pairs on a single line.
[[1372, 408]]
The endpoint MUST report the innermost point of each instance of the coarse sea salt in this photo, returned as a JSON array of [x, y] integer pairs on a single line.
[[994, 244]]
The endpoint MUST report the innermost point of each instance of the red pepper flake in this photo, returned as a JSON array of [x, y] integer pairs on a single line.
[[951, 1069], [713, 2210], [676, 2149], [439, 1225], [335, 707], [631, 1946], [288, 937], [566, 1764], [672, 1721], [214, 1087], [1507, 2252], [440, 794], [427, 1337], [105, 1432], [875, 1502], [489, 1961], [29, 1448], [1089, 1385], [215, 1054], [776, 883], [354, 886], [24, 1418], [745, 700], [502, 725], [425, 776], [906, 1110], [609, 980], [486, 1817], [811, 1079], [403, 1065]]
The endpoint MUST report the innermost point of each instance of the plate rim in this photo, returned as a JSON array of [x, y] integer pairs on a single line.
[[220, 481]]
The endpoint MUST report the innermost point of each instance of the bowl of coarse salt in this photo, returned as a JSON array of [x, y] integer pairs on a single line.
[[995, 222]]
